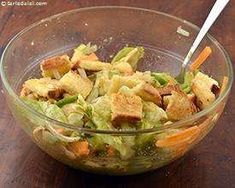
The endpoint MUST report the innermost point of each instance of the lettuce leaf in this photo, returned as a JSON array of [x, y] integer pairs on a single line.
[[102, 107], [163, 78], [50, 110], [102, 121], [130, 55], [122, 53], [153, 115], [76, 119], [120, 143], [54, 112]]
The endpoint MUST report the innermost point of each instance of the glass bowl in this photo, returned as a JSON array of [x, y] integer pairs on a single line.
[[111, 28]]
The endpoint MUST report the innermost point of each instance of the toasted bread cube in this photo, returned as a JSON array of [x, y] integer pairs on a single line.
[[203, 87], [91, 65], [165, 101], [79, 148], [91, 57], [83, 51], [144, 76], [166, 90], [118, 81], [74, 84], [43, 87], [126, 108], [148, 93], [179, 106], [124, 67], [192, 97], [55, 67], [25, 91]]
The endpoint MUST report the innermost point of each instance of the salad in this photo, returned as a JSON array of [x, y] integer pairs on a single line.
[[86, 92]]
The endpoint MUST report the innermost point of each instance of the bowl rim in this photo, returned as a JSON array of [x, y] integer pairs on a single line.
[[177, 124]]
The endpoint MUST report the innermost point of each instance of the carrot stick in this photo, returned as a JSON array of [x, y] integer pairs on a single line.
[[201, 58], [186, 136], [224, 84]]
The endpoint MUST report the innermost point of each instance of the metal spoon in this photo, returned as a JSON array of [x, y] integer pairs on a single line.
[[214, 13]]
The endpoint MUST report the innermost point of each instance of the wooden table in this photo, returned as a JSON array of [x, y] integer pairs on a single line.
[[210, 164]]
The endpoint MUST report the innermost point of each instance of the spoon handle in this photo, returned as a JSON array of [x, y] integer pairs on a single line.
[[214, 13]]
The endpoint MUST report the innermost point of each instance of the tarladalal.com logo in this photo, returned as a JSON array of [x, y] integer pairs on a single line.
[[23, 3]]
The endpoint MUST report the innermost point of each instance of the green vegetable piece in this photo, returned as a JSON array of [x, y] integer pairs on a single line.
[[76, 119], [153, 115], [86, 108], [93, 94], [130, 55], [50, 110], [102, 108], [66, 100], [163, 78], [122, 53], [186, 86], [160, 78]]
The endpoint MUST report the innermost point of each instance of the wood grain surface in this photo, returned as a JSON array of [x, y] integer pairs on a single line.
[[210, 164]]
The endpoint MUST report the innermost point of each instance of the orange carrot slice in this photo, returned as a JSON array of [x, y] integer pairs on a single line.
[[201, 58], [224, 84], [186, 136]]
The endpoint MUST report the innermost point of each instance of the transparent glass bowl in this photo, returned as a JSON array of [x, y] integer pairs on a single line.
[[111, 28]]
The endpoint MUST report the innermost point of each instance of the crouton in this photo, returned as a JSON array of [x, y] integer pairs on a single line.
[[126, 108], [75, 84], [55, 67], [215, 90], [102, 82], [166, 90], [144, 76], [84, 52], [118, 81], [79, 148], [91, 57], [179, 106], [124, 68], [25, 92], [181, 138], [148, 93], [165, 101], [192, 97], [43, 87], [91, 65], [203, 87]]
